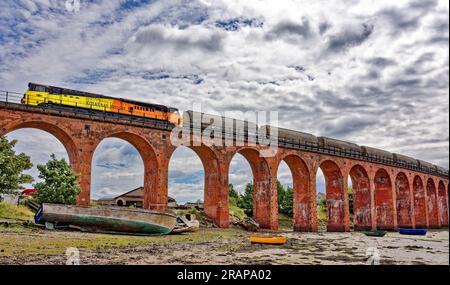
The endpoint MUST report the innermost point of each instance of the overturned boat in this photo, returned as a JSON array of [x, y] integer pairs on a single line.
[[375, 233], [268, 240], [417, 232], [106, 219]]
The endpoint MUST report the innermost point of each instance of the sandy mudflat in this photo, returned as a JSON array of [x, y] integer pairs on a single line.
[[215, 246]]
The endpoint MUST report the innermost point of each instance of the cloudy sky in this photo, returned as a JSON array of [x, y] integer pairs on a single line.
[[372, 72]]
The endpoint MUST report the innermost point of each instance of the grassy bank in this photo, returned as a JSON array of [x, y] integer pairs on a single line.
[[16, 213]]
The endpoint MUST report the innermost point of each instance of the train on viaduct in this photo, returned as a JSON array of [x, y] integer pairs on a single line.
[[390, 190]]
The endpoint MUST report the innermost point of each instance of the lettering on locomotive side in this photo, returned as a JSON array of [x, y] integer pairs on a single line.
[[97, 104]]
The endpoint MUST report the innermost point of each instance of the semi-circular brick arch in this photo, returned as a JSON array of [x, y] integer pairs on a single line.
[[57, 131], [301, 185], [148, 156], [264, 199], [215, 198], [384, 193], [60, 131]]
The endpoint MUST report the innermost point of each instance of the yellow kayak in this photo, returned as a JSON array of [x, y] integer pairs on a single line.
[[268, 240]]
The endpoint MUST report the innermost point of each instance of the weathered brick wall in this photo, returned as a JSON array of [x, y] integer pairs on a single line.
[[420, 203], [403, 203], [361, 198], [432, 205]]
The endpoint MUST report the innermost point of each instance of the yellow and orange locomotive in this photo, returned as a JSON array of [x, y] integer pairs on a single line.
[[38, 94]]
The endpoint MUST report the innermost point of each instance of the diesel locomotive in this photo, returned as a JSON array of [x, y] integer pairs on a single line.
[[44, 95]]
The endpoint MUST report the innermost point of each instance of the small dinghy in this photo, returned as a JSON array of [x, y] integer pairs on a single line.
[[105, 219], [377, 233], [268, 240], [186, 223], [416, 232]]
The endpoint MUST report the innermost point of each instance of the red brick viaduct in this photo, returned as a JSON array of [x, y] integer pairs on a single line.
[[385, 196]]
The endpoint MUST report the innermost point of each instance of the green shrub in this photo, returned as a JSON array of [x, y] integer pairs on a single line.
[[60, 184]]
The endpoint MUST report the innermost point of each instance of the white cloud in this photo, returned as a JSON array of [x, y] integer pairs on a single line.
[[375, 73]]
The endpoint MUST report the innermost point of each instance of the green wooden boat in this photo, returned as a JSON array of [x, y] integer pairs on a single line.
[[107, 219], [376, 233]]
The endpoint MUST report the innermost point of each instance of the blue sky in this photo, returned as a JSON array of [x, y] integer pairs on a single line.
[[375, 73]]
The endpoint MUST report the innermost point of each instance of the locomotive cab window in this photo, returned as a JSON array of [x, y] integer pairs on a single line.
[[54, 90], [173, 110], [39, 88]]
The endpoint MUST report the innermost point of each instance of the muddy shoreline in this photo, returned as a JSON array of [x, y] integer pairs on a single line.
[[216, 246]]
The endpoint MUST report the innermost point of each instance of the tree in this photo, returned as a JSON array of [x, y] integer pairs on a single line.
[[281, 195], [322, 202], [285, 199], [60, 184], [246, 201], [233, 195], [11, 167], [288, 202]]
